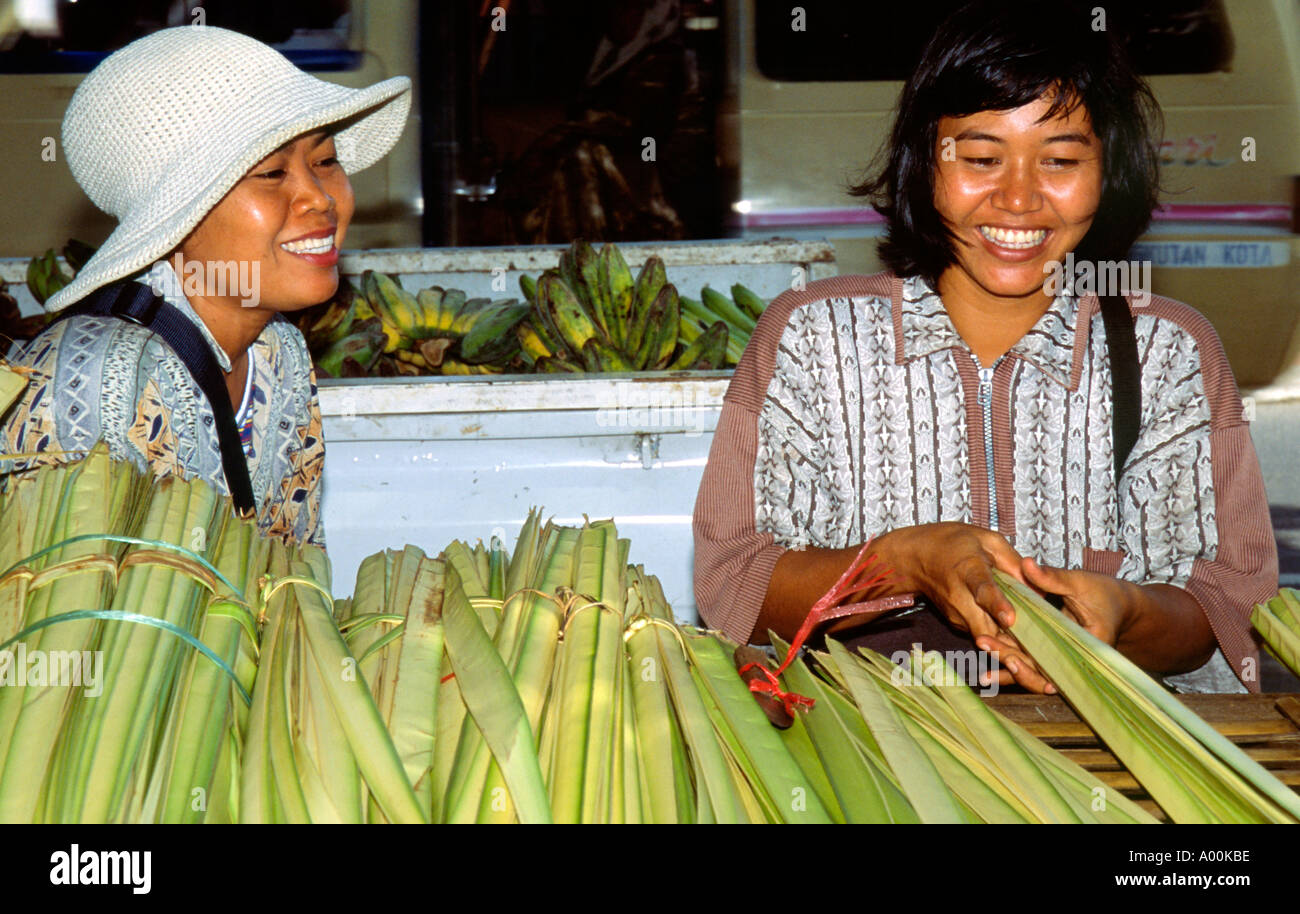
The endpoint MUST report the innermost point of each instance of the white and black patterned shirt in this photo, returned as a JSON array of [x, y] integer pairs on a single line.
[[858, 409]]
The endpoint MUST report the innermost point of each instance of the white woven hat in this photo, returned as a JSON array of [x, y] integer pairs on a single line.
[[164, 127]]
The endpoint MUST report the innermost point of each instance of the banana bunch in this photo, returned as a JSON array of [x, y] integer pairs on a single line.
[[421, 329], [384, 330], [739, 313], [44, 276], [590, 314], [346, 331]]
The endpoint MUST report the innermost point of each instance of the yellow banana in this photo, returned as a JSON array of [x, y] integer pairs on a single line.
[[530, 342], [392, 303], [429, 301]]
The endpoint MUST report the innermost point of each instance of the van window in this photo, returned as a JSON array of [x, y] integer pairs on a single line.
[[314, 34], [829, 40]]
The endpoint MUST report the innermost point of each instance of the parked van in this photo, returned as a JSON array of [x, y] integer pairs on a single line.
[[354, 43], [812, 96]]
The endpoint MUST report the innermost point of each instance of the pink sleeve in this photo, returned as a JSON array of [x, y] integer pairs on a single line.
[[733, 560]]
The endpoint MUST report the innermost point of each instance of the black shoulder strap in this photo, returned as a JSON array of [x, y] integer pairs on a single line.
[[139, 304], [1125, 377]]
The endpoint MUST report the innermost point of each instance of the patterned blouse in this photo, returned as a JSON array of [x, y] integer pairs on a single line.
[[857, 408], [96, 378]]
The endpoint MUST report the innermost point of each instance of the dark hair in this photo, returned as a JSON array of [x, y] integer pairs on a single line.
[[996, 55]]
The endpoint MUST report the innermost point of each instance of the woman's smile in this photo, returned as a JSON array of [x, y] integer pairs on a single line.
[[319, 248]]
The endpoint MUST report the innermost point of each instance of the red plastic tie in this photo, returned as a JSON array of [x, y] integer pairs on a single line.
[[772, 686], [850, 584]]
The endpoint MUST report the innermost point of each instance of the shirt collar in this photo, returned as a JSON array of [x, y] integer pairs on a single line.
[[162, 278], [1053, 344]]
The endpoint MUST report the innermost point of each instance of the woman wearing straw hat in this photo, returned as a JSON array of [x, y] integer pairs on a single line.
[[227, 168]]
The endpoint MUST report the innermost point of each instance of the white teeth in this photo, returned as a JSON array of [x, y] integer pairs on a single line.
[[310, 245], [1013, 239]]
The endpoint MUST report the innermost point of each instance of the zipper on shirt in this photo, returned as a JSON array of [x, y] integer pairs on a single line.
[[985, 400]]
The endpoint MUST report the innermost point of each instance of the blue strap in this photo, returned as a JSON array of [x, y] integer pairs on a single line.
[[139, 304]]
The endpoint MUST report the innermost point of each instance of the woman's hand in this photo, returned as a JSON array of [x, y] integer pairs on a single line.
[[952, 564], [1099, 602], [1160, 627]]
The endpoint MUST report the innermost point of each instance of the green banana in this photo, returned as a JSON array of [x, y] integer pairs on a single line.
[[592, 293], [695, 308], [568, 270], [668, 326], [688, 329], [44, 277], [735, 348], [396, 308], [36, 280], [649, 281], [362, 305], [492, 338], [707, 353], [751, 303], [528, 286], [652, 339], [596, 356], [469, 314], [559, 303], [362, 348], [453, 300], [56, 279], [542, 322], [598, 292], [619, 288], [726, 309], [334, 324]]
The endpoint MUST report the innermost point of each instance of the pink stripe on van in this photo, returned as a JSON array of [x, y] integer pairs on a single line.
[[1172, 212]]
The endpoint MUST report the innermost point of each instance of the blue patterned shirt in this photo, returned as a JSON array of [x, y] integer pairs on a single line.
[[96, 378]]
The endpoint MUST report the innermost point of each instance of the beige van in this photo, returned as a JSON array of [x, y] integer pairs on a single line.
[[804, 118]]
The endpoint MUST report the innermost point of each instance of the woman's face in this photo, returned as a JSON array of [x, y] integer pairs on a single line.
[[1017, 193], [282, 224]]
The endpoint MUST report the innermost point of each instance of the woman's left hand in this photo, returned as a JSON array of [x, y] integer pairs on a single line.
[[1098, 602]]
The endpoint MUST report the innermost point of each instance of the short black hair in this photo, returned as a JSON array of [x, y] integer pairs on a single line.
[[997, 55]]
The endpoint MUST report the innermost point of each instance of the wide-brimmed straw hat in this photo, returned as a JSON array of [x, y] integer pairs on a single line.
[[164, 127]]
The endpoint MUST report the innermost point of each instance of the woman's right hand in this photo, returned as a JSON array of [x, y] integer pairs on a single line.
[[952, 564]]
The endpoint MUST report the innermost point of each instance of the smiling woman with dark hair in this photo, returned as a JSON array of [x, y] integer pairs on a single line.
[[961, 413], [975, 63]]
